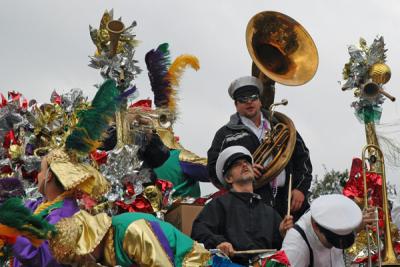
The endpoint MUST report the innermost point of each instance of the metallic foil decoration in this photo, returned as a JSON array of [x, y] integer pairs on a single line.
[[11, 119], [73, 99], [121, 162], [358, 252], [10, 187], [154, 195], [361, 59], [5, 166], [15, 152], [142, 176], [367, 67], [380, 73], [121, 67]]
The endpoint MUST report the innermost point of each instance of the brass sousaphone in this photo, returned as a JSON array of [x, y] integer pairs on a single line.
[[283, 52]]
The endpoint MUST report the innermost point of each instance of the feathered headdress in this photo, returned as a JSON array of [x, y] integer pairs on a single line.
[[165, 77], [94, 121], [85, 137], [17, 220]]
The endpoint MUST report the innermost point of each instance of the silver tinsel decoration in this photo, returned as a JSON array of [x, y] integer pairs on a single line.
[[72, 99], [122, 163], [112, 66]]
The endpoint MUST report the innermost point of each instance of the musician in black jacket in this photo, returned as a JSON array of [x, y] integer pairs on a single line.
[[246, 128], [239, 220]]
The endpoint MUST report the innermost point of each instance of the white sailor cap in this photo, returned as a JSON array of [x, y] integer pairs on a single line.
[[227, 157], [337, 217], [247, 84]]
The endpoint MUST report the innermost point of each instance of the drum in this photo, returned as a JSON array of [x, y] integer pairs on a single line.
[[261, 259]]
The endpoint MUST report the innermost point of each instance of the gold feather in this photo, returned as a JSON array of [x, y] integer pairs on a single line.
[[174, 75]]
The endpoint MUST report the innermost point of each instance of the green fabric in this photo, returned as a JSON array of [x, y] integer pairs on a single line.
[[46, 211], [274, 264], [120, 224], [180, 243], [14, 214], [369, 114], [172, 171]]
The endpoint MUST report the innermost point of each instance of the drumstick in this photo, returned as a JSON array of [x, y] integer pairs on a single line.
[[255, 251], [289, 195]]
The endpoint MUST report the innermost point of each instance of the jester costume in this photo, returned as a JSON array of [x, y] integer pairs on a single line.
[[183, 168], [72, 176], [25, 253], [128, 239]]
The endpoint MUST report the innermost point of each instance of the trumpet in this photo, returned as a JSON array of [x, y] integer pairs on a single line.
[[147, 120]]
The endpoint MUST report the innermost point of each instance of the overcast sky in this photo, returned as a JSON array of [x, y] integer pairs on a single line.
[[45, 46]]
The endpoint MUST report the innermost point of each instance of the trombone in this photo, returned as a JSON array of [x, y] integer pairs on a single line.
[[373, 160]]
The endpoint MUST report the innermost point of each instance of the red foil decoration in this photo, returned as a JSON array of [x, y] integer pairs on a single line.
[[354, 187], [139, 205], [88, 202], [3, 100], [164, 185], [99, 156], [144, 103], [32, 176], [5, 169], [397, 248], [14, 96], [9, 139], [55, 98], [279, 257], [130, 189], [24, 104]]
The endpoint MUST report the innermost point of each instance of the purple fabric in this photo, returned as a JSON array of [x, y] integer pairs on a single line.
[[195, 171], [25, 254], [163, 239], [29, 148]]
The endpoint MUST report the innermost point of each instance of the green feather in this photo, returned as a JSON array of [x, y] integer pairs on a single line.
[[14, 214], [164, 48], [95, 120]]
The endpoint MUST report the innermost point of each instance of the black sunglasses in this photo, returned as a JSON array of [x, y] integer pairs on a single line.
[[245, 99]]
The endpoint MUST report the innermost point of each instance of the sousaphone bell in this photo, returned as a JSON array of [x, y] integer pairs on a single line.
[[282, 51]]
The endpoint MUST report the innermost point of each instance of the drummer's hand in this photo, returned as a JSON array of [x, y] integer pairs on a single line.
[[258, 170], [368, 218], [297, 200], [226, 248], [285, 225]]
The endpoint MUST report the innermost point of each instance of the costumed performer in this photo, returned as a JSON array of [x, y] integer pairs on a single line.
[[128, 239]]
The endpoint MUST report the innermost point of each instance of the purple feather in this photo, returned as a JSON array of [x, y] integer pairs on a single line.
[[158, 62], [126, 93]]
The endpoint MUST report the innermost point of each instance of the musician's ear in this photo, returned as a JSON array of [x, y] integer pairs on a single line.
[[228, 177]]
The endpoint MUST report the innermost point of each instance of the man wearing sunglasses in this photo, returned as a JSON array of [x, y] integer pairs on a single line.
[[246, 128]]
